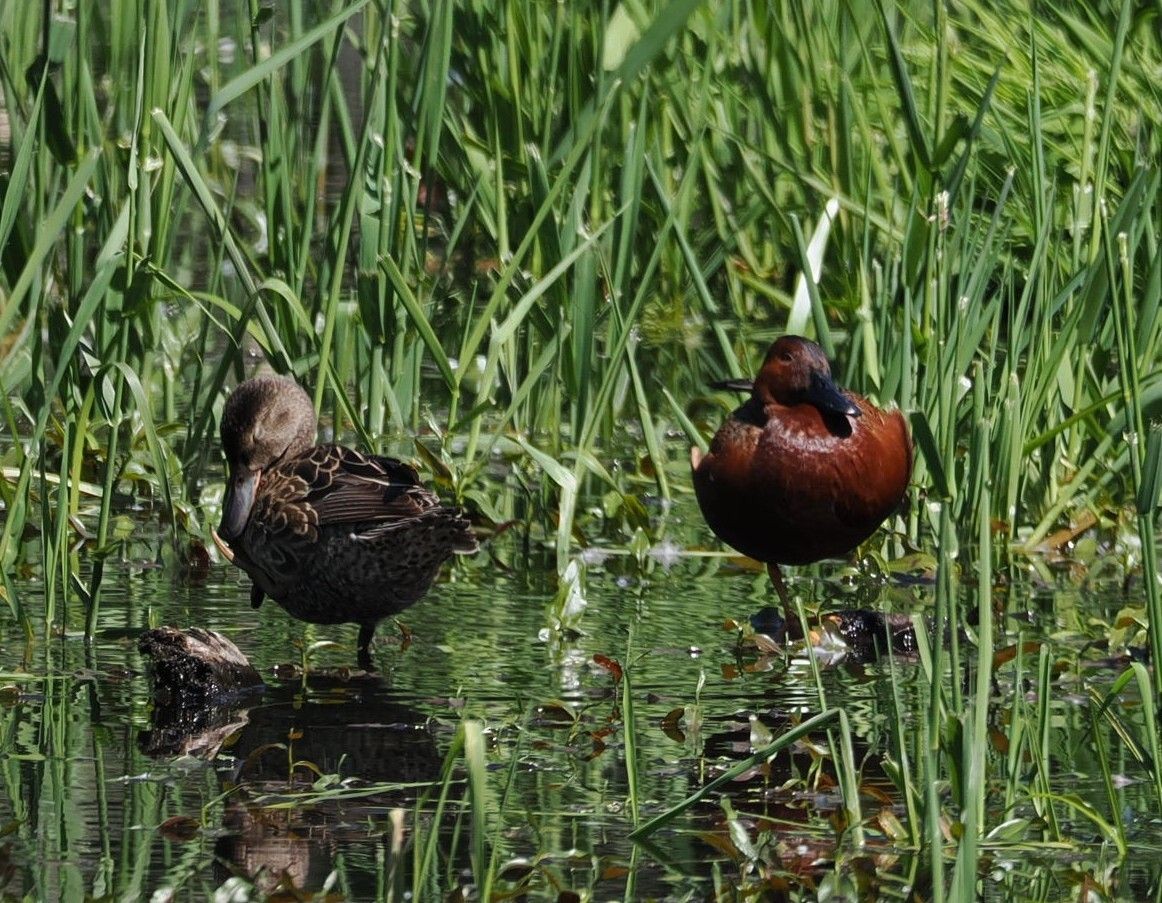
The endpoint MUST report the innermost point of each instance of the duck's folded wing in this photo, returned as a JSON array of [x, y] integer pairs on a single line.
[[342, 486]]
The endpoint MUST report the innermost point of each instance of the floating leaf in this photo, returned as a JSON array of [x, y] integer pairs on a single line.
[[405, 634], [180, 828], [1007, 654], [720, 843], [441, 473], [760, 734], [516, 870], [876, 793], [612, 665], [555, 713], [670, 724]]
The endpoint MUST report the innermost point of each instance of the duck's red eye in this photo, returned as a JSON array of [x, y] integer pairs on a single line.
[[785, 357]]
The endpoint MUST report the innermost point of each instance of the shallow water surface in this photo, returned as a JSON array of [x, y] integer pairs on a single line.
[[334, 781]]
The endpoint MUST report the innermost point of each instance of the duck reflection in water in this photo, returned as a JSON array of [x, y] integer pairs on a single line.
[[802, 470], [276, 742]]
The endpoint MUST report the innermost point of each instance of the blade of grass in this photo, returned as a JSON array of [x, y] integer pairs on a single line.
[[817, 723]]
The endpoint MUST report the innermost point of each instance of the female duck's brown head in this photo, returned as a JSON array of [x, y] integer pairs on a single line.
[[266, 420]]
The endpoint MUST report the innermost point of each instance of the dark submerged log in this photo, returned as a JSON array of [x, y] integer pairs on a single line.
[[866, 634], [195, 665], [205, 689], [198, 678]]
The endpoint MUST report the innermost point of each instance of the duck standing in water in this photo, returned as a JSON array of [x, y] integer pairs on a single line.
[[802, 470], [330, 534]]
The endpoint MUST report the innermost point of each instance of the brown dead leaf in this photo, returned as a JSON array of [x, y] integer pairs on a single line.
[[612, 665], [1057, 541], [892, 827], [180, 828], [670, 724], [1007, 654]]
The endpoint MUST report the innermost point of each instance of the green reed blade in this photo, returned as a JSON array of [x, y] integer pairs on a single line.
[[566, 482], [18, 187], [479, 795], [504, 333], [649, 429], [420, 321], [253, 76], [47, 235], [203, 194], [484, 317], [629, 730], [903, 82], [1148, 497], [817, 723]]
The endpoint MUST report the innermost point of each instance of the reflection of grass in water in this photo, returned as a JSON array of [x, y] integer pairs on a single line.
[[560, 227]]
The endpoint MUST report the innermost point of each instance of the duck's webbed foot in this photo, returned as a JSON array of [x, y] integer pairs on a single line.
[[256, 596]]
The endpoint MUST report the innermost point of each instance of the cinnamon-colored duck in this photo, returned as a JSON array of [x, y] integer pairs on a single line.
[[332, 535], [803, 470]]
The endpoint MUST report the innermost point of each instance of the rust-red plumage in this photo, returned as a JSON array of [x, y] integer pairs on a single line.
[[802, 470]]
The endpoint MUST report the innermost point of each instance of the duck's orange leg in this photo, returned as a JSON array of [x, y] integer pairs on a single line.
[[226, 551]]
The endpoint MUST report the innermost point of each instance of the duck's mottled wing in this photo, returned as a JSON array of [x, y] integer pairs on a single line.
[[280, 511], [346, 487]]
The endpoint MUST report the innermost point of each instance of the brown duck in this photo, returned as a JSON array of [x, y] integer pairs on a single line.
[[803, 470], [332, 535]]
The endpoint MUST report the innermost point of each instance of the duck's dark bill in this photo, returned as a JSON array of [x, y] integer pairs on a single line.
[[825, 395], [237, 504], [734, 385]]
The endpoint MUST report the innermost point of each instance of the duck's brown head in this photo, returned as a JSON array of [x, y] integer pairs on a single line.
[[796, 371], [266, 420]]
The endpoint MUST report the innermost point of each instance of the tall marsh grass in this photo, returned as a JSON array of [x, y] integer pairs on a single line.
[[531, 234]]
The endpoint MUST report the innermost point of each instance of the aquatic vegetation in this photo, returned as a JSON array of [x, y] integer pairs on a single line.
[[516, 243]]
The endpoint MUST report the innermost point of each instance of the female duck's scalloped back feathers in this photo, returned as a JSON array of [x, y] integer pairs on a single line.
[[803, 470], [332, 535]]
